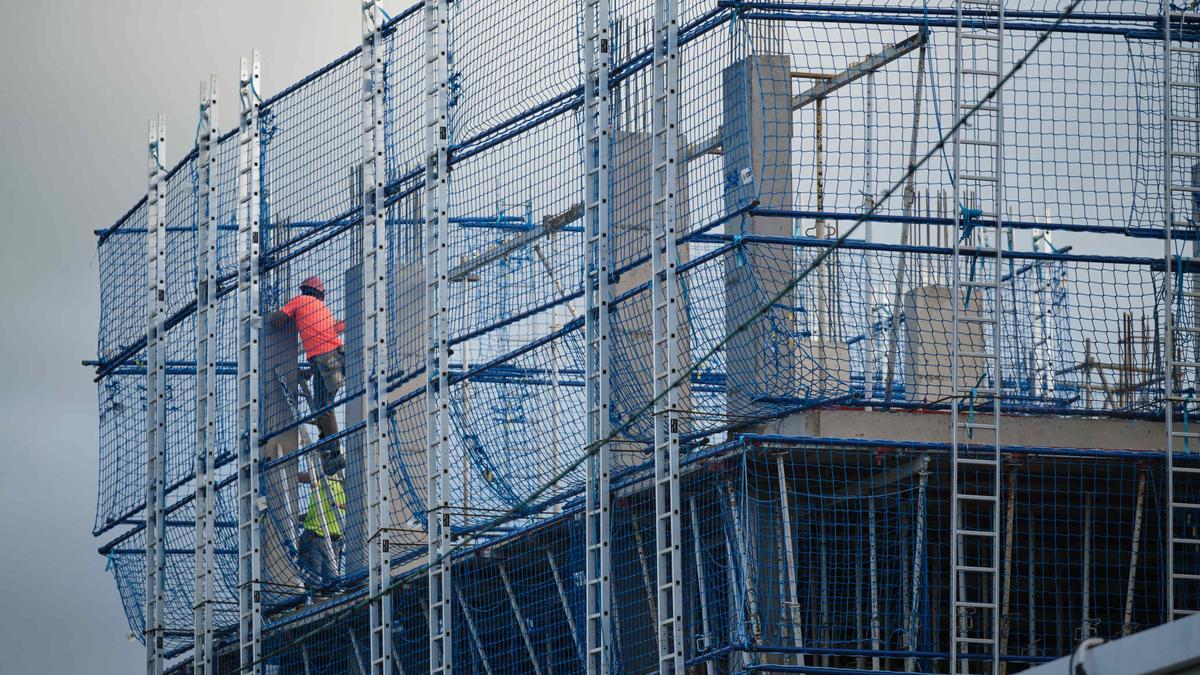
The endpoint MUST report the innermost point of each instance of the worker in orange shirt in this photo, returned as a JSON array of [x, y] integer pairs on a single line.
[[320, 334]]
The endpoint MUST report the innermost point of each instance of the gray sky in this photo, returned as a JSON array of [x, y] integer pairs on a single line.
[[79, 83]]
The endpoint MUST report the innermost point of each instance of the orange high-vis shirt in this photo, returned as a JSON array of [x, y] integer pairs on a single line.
[[315, 323]]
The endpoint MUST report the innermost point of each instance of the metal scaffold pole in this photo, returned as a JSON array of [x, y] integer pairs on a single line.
[[665, 293], [375, 346], [249, 188], [203, 659], [156, 402], [1181, 170], [597, 267], [976, 380], [437, 328]]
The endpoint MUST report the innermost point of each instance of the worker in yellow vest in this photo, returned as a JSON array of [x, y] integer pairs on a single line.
[[320, 543]]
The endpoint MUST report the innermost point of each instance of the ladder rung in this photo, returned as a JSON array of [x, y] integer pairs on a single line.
[[978, 498], [975, 355], [976, 461], [975, 641], [975, 568], [976, 605], [974, 533]]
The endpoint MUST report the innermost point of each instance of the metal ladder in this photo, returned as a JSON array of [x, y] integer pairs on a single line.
[[597, 267], [156, 403], [665, 293], [1181, 180], [975, 370], [249, 179], [375, 345], [437, 318], [203, 659]]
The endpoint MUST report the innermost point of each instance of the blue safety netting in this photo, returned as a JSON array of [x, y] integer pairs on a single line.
[[774, 167]]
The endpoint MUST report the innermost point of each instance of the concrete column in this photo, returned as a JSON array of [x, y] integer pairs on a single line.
[[929, 344], [355, 474], [280, 352], [633, 328], [756, 139]]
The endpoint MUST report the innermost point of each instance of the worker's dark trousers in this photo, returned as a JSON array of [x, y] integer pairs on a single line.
[[315, 559], [329, 377]]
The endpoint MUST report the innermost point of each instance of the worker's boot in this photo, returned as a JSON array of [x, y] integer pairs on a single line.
[[333, 459]]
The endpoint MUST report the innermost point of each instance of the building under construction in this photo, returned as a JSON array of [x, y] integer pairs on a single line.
[[712, 336]]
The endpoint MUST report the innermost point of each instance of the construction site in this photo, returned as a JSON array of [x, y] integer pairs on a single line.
[[627, 336]]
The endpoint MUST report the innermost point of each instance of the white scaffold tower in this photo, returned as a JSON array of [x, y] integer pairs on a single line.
[[249, 192], [978, 166], [437, 327], [597, 266], [203, 658], [1181, 182], [666, 331], [375, 347], [156, 393]]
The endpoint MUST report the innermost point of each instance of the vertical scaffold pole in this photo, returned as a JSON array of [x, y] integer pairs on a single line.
[[206, 379], [249, 177], [375, 347], [1181, 154], [597, 267], [437, 317], [156, 388], [665, 292], [976, 380]]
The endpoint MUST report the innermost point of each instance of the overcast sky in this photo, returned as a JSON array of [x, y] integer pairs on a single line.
[[80, 79]]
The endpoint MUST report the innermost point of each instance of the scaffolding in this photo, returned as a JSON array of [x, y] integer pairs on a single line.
[[670, 336]]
